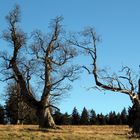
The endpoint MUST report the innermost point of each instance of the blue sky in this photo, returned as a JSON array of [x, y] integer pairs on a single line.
[[116, 21]]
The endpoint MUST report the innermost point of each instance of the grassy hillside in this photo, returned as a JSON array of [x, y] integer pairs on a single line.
[[32, 132]]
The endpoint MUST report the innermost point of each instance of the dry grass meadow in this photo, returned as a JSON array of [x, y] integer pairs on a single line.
[[32, 132]]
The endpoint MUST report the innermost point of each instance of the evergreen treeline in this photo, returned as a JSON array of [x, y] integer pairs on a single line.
[[91, 118], [75, 118]]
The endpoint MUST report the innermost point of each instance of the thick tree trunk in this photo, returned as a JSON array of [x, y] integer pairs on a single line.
[[136, 114], [45, 118], [136, 120]]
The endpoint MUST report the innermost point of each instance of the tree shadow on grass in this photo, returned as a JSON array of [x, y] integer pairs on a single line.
[[45, 130]]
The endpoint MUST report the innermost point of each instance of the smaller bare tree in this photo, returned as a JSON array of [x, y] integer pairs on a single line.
[[124, 83]]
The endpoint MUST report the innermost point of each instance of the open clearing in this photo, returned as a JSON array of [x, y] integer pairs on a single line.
[[32, 132]]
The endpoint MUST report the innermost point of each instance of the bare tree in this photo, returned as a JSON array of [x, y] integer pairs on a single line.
[[124, 83], [48, 61]]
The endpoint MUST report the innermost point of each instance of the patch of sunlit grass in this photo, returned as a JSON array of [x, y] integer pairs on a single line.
[[32, 132]]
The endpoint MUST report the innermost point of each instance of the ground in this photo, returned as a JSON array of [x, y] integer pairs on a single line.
[[32, 132]]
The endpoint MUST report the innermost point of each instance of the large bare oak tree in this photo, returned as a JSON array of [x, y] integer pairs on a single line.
[[47, 60]]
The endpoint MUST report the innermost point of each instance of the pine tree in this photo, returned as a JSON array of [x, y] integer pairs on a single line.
[[93, 117], [84, 120], [66, 119], [118, 119], [57, 117], [61, 119], [112, 118], [124, 116], [101, 119], [106, 117], [75, 118]]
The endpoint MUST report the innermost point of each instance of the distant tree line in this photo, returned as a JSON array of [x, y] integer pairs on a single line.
[[10, 114], [91, 118]]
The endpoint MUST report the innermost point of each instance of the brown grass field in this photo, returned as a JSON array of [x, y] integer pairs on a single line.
[[32, 132]]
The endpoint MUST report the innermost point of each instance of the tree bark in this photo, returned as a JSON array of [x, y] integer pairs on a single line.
[[136, 120], [45, 118]]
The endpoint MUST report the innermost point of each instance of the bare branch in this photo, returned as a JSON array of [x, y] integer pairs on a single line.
[[8, 78], [89, 71], [48, 106], [112, 83]]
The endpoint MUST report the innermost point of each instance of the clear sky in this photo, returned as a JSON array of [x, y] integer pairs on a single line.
[[116, 21]]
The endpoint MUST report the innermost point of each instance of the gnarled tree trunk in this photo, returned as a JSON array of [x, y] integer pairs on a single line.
[[45, 118], [134, 119]]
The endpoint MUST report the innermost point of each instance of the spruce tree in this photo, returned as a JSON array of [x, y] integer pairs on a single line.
[[66, 119], [75, 118], [57, 117], [101, 119], [62, 119], [112, 118], [118, 119], [93, 117], [84, 120], [124, 116]]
